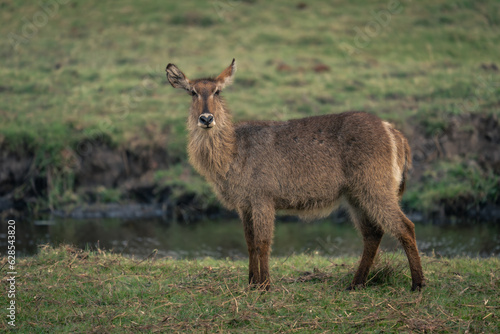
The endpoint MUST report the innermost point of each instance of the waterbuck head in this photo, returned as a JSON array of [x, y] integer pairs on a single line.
[[207, 107]]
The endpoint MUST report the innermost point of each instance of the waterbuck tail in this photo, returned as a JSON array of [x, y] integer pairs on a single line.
[[407, 166]]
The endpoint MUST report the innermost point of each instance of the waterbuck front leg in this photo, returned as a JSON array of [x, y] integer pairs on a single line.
[[263, 228], [253, 259]]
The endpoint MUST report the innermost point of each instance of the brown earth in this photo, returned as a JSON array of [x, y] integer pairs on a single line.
[[471, 138], [474, 137], [131, 170]]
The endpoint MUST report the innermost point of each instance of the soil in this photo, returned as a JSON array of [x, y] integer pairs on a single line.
[[131, 170], [471, 137]]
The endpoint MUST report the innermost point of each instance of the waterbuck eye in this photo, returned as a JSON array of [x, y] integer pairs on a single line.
[[217, 92], [193, 93]]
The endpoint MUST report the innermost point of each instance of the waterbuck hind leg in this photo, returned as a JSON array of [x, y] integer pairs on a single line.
[[263, 225], [406, 236], [394, 221], [372, 235], [382, 213], [253, 259]]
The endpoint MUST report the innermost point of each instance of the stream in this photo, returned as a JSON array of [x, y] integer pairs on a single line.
[[225, 238]]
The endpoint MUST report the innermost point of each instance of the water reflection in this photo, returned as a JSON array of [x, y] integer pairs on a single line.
[[225, 238]]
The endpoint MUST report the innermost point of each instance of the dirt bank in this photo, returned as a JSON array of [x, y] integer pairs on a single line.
[[471, 140], [470, 137], [98, 174]]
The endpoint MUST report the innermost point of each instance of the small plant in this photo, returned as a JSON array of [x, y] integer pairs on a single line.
[[106, 195], [182, 180], [452, 180]]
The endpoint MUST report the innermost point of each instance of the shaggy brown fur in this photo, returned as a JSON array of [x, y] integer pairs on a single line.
[[304, 166]]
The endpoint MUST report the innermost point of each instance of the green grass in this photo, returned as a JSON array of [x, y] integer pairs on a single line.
[[68, 290], [448, 181], [96, 69]]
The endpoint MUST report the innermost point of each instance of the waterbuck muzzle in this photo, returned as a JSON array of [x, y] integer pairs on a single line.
[[206, 120]]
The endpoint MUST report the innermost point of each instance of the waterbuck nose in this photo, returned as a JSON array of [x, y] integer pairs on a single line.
[[206, 119]]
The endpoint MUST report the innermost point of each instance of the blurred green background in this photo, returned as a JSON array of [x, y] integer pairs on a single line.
[[80, 74]]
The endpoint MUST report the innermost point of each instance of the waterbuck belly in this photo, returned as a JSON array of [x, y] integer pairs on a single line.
[[310, 209]]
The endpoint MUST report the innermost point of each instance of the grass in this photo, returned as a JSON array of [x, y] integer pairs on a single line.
[[96, 70], [448, 181], [69, 290]]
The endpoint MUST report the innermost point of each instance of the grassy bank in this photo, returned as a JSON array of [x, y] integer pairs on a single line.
[[69, 290], [90, 73]]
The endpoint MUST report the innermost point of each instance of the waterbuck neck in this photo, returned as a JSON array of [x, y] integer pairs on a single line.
[[211, 151]]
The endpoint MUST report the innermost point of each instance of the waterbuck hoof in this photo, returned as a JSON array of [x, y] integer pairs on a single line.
[[253, 280], [417, 286], [253, 285]]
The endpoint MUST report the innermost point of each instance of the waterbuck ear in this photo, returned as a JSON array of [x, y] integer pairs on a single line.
[[226, 77], [176, 78]]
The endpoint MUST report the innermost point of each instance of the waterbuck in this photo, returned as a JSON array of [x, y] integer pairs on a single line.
[[303, 166]]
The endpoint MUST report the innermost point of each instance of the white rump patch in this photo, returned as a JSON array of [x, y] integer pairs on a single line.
[[396, 171]]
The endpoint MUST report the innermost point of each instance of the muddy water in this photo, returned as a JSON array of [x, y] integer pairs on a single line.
[[223, 239]]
